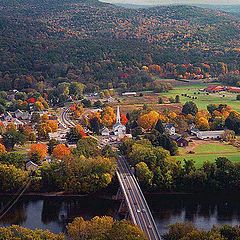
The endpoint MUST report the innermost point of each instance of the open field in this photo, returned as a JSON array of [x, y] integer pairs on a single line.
[[203, 99], [208, 151]]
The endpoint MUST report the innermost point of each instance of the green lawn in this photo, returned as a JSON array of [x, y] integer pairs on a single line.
[[209, 152], [203, 99]]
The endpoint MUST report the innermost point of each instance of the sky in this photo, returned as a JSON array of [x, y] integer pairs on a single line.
[[157, 2]]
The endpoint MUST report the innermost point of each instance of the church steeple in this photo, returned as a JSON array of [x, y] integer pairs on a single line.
[[118, 115]]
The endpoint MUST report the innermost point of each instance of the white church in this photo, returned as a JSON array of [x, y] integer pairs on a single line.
[[118, 130]]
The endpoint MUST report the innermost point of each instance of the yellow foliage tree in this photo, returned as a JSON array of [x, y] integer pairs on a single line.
[[148, 120], [108, 116], [202, 123]]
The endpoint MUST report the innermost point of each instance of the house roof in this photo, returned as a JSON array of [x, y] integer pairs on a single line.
[[30, 163], [18, 111], [177, 138], [169, 125], [7, 114], [105, 129]]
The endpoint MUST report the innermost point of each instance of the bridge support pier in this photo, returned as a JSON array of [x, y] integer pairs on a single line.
[[123, 208]]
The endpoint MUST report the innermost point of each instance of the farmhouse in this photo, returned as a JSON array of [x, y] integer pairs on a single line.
[[181, 142], [170, 129], [210, 134]]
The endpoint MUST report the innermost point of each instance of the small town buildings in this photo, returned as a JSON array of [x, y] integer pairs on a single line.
[[118, 128], [31, 166], [170, 129], [210, 134], [129, 94], [181, 142]]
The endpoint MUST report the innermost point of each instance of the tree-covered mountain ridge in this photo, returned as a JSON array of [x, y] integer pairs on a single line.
[[167, 26]]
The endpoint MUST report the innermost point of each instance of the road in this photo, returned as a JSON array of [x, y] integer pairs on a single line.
[[136, 202], [64, 119]]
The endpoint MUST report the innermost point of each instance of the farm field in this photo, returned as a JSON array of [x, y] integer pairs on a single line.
[[209, 152], [203, 99]]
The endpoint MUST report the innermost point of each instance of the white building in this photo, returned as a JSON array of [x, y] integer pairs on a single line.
[[170, 129], [31, 166], [129, 94], [118, 128], [105, 131], [210, 134]]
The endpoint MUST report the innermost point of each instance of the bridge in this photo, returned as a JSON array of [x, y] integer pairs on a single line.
[[137, 205]]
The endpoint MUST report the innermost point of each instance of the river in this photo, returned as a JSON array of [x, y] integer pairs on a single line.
[[54, 213]]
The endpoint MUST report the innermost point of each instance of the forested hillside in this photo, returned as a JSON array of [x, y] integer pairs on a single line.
[[98, 43]]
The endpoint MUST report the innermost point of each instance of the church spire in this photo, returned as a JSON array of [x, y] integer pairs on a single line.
[[118, 115]]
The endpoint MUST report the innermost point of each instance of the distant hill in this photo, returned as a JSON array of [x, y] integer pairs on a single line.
[[226, 8], [97, 39], [133, 6]]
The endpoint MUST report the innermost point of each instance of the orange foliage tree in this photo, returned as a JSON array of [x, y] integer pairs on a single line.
[[124, 119], [2, 149], [61, 151], [37, 152]]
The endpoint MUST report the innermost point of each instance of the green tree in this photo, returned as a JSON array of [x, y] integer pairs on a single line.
[[87, 147], [12, 137], [144, 175], [12, 178], [190, 108]]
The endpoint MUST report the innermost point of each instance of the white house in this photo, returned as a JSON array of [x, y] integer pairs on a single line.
[[31, 166], [210, 134], [105, 132], [118, 128], [170, 129]]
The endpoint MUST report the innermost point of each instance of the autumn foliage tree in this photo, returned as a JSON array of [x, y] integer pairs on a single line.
[[124, 119], [104, 228], [108, 116], [148, 120], [37, 152], [2, 149], [61, 151]]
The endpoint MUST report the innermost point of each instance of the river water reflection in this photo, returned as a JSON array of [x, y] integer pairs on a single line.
[[54, 213]]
